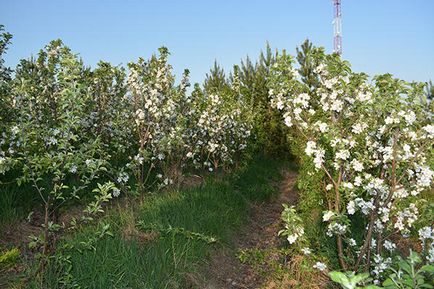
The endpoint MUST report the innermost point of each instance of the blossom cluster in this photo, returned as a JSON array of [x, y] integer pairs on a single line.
[[426, 236], [222, 131], [294, 229]]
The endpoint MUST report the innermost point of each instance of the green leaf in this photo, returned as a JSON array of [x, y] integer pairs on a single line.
[[408, 281], [359, 278], [339, 277], [427, 268], [405, 266], [388, 282], [414, 257]]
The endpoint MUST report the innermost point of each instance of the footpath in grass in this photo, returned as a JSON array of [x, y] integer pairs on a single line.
[[168, 239], [253, 257]]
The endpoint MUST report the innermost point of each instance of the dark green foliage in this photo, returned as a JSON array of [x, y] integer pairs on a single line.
[[251, 77], [268, 129], [16, 202], [410, 274]]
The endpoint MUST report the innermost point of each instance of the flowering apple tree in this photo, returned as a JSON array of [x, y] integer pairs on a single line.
[[175, 128], [6, 105], [222, 127], [372, 141], [49, 141], [159, 110]]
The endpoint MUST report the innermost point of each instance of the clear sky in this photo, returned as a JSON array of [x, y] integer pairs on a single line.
[[379, 36]]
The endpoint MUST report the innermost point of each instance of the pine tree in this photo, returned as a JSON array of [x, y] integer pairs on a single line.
[[305, 59], [215, 80], [267, 121]]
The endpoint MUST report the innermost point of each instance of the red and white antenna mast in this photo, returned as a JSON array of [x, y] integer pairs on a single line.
[[337, 25]]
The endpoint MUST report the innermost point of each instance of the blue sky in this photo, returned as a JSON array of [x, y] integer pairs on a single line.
[[379, 36]]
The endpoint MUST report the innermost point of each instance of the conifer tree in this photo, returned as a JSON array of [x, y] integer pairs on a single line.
[[253, 80], [215, 80], [305, 59]]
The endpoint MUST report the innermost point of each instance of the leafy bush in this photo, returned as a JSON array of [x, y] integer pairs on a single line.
[[350, 280], [408, 273]]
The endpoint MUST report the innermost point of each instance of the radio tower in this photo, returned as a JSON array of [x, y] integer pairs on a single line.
[[337, 25]]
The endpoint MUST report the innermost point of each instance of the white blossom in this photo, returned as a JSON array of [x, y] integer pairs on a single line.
[[123, 178], [327, 215], [429, 130], [359, 127], [406, 218], [342, 154], [357, 165], [319, 158], [352, 242], [430, 255], [320, 266], [116, 192], [310, 148], [139, 159], [288, 120], [336, 228], [73, 169], [351, 207], [306, 251], [364, 96], [322, 126], [424, 176], [426, 233], [358, 181], [380, 264], [389, 245], [337, 105], [410, 117]]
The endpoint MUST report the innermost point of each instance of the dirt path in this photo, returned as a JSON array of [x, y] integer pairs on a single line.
[[226, 271]]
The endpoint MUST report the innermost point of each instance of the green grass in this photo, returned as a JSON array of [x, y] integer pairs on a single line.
[[15, 202], [219, 208]]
